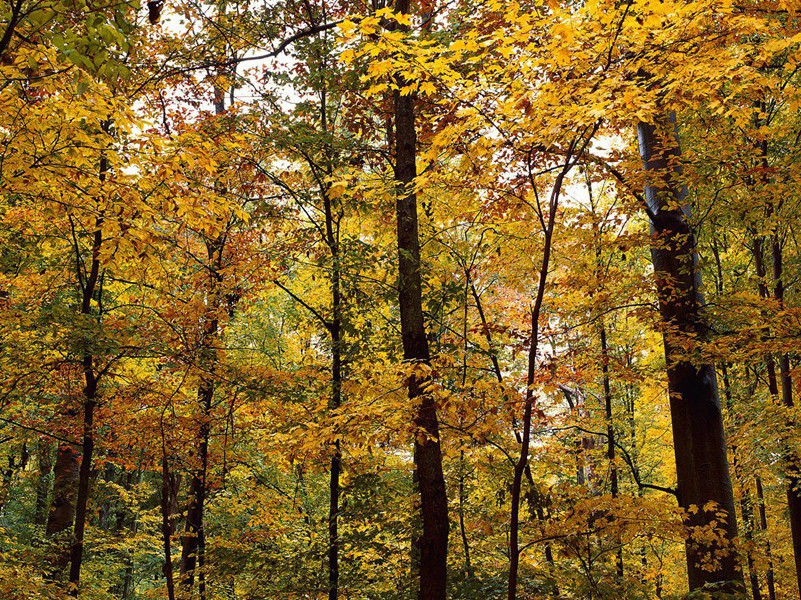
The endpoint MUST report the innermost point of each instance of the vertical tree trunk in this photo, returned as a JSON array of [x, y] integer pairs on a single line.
[[786, 398], [610, 433], [90, 393], [529, 477], [168, 494], [427, 451], [62, 509], [794, 466], [763, 524], [335, 328], [698, 438], [193, 541]]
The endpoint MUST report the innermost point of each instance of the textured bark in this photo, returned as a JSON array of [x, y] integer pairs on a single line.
[[698, 438], [433, 543], [65, 487]]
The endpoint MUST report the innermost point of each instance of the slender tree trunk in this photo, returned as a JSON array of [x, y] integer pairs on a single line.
[[529, 477], [168, 493], [763, 524], [746, 506], [193, 540], [468, 567], [794, 467], [427, 451], [90, 288], [698, 437], [610, 432], [528, 406], [785, 379], [335, 329]]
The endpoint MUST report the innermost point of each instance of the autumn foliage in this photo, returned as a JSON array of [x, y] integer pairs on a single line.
[[470, 300]]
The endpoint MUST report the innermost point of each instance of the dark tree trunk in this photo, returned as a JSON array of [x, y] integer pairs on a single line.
[[793, 462], [193, 544], [698, 438], [521, 467], [332, 234], [794, 466], [610, 433], [763, 524], [65, 485], [335, 329], [433, 543], [540, 512], [193, 541], [90, 393]]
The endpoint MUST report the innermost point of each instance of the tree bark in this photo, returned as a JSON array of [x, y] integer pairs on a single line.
[[433, 544], [698, 437], [62, 509]]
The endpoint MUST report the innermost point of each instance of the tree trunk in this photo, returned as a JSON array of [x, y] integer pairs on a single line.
[[332, 234], [794, 467], [90, 393], [193, 541], [763, 524], [529, 477], [786, 398], [62, 509], [698, 437], [610, 434], [427, 451]]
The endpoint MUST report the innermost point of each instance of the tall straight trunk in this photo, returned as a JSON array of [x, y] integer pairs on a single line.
[[193, 541], [168, 496], [433, 543], [698, 438], [335, 329], [793, 460], [746, 505], [794, 467], [610, 432]]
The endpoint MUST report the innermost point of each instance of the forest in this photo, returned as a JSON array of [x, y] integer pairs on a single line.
[[400, 299]]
